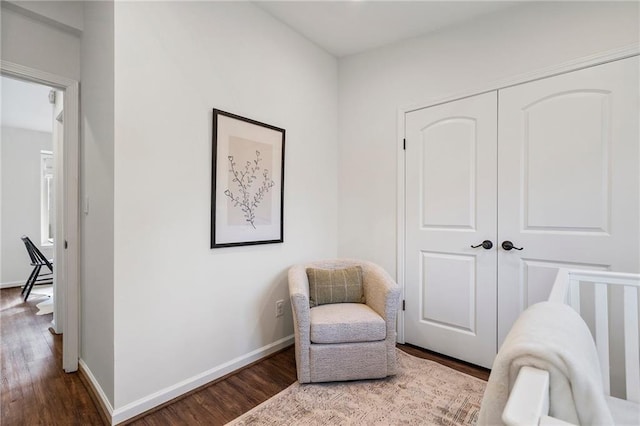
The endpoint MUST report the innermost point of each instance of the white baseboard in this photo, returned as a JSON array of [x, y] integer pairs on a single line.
[[167, 394], [11, 284], [106, 406]]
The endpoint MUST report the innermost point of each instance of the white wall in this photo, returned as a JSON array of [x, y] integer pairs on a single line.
[[34, 43], [47, 36], [373, 85], [65, 14], [181, 308], [96, 176], [20, 203]]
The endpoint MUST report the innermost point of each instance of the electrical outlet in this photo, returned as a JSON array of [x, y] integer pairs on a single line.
[[279, 308]]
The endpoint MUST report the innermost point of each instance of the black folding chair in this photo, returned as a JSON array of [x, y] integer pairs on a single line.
[[38, 261]]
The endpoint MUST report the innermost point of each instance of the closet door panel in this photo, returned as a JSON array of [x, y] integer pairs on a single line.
[[450, 288], [565, 156], [568, 180]]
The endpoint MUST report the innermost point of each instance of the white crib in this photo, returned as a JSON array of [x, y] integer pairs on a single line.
[[528, 402]]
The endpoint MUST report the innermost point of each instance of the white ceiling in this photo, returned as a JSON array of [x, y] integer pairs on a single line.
[[344, 28], [340, 27], [25, 105]]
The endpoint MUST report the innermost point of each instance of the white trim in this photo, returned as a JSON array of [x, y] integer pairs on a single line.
[[167, 394], [71, 226], [400, 229], [569, 66], [66, 305], [11, 284], [565, 67], [58, 148], [35, 75], [97, 389]]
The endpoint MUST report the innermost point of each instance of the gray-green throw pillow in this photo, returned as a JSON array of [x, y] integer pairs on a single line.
[[335, 286]]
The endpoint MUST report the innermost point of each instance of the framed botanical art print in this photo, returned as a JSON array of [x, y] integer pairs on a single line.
[[247, 182]]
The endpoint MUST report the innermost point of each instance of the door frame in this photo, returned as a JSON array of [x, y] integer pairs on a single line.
[[573, 65], [66, 305]]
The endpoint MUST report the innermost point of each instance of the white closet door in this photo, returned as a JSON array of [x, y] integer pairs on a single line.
[[450, 205], [568, 180]]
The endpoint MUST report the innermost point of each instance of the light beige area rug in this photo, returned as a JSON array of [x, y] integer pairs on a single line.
[[423, 393]]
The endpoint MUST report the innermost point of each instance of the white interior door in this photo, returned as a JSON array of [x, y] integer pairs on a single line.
[[450, 288], [568, 180], [58, 252]]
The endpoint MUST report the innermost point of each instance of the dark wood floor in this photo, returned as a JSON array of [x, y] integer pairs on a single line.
[[35, 390], [227, 399]]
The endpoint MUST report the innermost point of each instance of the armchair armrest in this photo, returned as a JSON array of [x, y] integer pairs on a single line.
[[299, 296], [298, 281], [381, 292]]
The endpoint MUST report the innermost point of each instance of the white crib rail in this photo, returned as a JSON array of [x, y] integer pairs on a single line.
[[566, 289]]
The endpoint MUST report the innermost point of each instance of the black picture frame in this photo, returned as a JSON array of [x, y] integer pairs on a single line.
[[247, 181]]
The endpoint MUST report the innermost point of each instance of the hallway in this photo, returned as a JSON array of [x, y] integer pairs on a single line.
[[35, 389]]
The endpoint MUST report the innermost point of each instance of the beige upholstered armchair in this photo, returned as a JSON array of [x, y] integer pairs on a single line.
[[345, 341]]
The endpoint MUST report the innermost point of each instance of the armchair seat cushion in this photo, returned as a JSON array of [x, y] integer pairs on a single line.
[[346, 323]]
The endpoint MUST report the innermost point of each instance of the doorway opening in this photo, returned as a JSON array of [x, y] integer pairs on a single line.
[[32, 136], [53, 221]]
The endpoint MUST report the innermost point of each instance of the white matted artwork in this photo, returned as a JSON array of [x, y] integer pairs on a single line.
[[247, 182]]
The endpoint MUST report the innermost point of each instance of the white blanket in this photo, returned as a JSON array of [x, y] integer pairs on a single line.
[[552, 337]]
